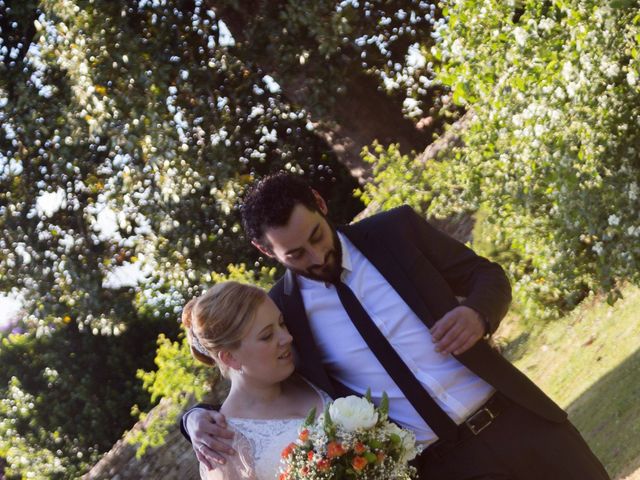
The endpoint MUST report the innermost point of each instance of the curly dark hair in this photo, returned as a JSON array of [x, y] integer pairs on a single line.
[[269, 202]]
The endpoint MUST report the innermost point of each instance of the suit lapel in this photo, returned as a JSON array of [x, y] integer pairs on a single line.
[[293, 311], [389, 265]]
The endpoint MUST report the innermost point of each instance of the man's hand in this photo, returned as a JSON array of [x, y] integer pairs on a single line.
[[458, 331], [210, 436]]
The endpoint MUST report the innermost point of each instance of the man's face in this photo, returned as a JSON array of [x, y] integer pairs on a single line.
[[307, 245]]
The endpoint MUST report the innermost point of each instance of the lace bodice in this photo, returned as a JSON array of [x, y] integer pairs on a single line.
[[259, 444]]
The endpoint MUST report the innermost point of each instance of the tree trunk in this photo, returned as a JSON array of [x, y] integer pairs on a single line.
[[362, 114], [348, 121]]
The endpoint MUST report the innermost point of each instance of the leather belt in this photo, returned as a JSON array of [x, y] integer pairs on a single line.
[[471, 427]]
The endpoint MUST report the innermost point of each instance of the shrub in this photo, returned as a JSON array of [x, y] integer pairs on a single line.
[[552, 149]]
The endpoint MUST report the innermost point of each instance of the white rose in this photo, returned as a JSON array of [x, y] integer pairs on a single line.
[[352, 413]]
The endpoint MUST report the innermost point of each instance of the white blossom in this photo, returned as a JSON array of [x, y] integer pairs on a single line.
[[567, 71], [598, 248], [610, 69], [520, 36], [546, 24], [457, 48]]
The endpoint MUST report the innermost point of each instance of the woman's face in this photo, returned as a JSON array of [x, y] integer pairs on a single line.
[[265, 351]]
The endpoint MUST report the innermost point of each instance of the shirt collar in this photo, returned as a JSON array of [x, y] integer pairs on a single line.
[[346, 252]]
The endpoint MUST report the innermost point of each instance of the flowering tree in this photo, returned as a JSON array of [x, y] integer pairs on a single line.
[[128, 132], [551, 151], [120, 147]]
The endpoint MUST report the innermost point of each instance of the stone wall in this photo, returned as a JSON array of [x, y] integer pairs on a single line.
[[174, 460]]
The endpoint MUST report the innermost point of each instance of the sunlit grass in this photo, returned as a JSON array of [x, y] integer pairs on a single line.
[[589, 362]]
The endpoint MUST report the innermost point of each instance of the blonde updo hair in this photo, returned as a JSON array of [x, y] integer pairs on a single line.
[[219, 318]]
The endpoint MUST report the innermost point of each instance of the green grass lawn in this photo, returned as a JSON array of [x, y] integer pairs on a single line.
[[589, 362]]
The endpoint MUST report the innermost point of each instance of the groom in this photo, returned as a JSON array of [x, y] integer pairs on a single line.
[[375, 305]]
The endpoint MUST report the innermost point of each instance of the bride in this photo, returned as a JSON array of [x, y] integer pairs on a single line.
[[238, 328]]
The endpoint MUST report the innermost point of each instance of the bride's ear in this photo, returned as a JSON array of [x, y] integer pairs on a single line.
[[229, 360]]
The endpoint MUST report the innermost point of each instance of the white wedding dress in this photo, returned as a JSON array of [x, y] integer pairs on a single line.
[[258, 444]]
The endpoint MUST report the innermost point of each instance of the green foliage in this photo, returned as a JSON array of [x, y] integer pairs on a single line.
[[552, 148], [68, 394], [16, 408], [399, 179], [179, 378]]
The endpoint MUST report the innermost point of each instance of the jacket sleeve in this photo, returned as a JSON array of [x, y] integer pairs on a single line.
[[482, 283]]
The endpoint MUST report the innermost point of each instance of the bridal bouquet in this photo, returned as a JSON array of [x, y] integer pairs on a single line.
[[351, 440]]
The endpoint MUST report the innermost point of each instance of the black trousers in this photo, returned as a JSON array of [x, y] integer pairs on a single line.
[[518, 445]]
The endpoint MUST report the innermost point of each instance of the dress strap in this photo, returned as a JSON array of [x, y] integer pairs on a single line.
[[324, 396]]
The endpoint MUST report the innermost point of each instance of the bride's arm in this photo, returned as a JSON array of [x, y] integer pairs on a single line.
[[219, 473], [238, 467]]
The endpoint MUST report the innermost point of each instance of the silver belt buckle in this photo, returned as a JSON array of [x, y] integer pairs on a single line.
[[482, 412]]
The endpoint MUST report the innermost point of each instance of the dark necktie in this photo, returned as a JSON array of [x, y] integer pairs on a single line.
[[419, 398]]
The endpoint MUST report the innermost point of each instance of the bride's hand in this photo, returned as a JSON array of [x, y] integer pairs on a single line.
[[210, 437]]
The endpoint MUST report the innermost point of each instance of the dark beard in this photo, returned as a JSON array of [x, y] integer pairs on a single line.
[[331, 270]]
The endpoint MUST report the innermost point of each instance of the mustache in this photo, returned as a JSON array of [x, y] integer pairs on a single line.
[[331, 254]]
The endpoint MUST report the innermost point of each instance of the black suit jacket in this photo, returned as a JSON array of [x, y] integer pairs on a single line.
[[429, 270]]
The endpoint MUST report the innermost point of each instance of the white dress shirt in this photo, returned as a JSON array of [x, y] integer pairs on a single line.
[[347, 358]]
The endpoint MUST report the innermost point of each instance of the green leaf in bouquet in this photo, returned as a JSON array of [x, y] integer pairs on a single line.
[[383, 408], [395, 439], [370, 456], [368, 395], [311, 417], [374, 444], [329, 427]]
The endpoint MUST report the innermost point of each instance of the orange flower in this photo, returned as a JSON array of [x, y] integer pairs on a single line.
[[380, 457], [335, 449], [310, 455], [288, 450], [358, 463], [304, 435], [283, 476], [323, 464], [359, 448]]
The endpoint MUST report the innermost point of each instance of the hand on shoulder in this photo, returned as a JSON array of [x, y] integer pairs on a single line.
[[210, 436]]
